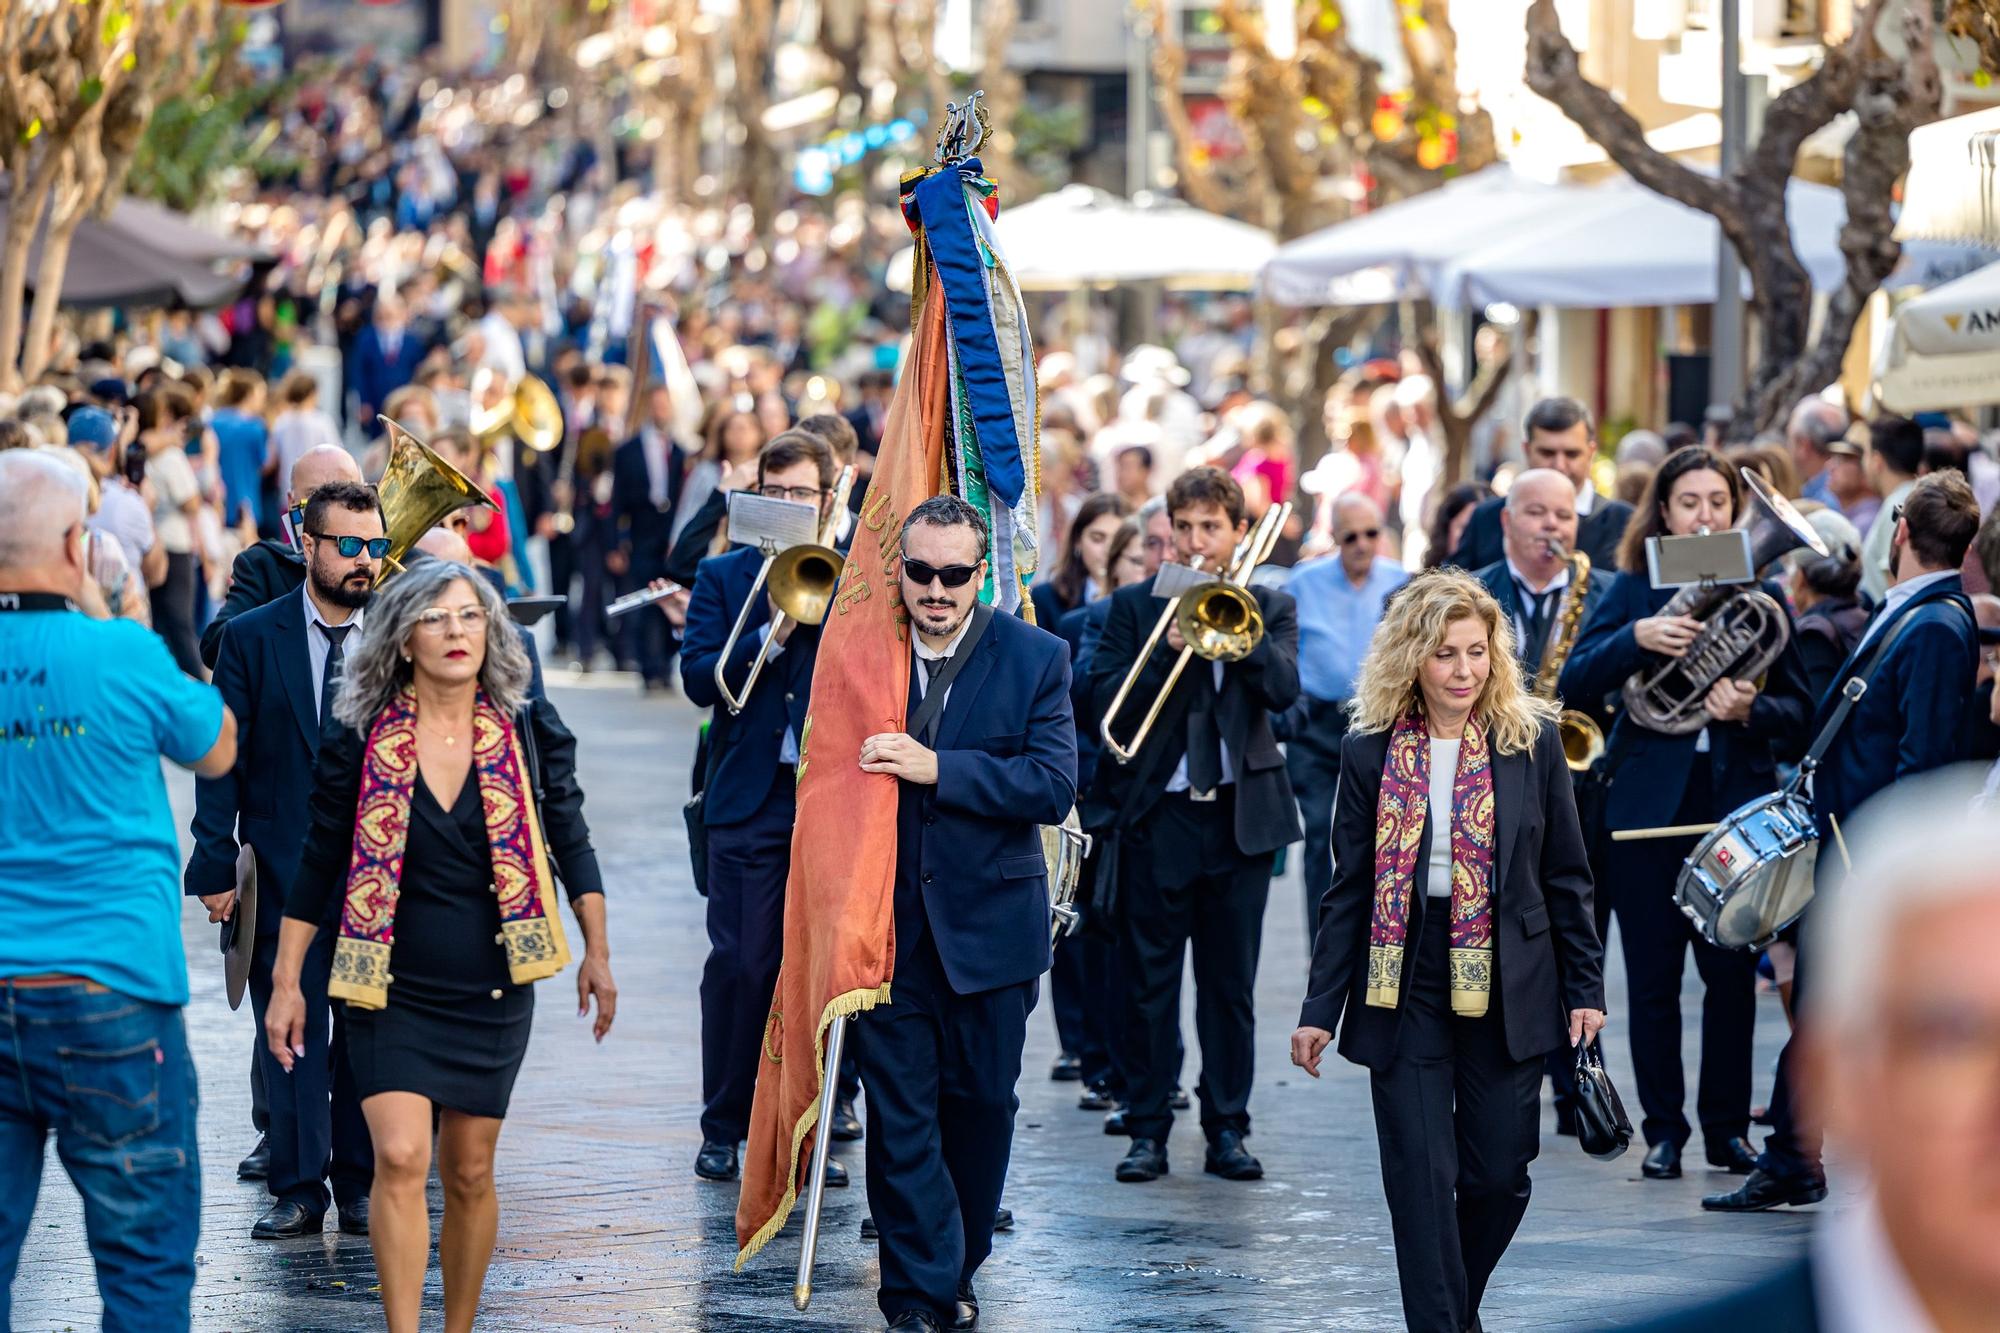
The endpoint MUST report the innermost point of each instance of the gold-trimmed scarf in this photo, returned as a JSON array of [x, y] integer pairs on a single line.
[[529, 921], [1400, 810]]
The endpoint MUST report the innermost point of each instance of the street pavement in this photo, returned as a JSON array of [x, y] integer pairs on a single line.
[[604, 1225]]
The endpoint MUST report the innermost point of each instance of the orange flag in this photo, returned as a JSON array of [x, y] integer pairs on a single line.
[[840, 899]]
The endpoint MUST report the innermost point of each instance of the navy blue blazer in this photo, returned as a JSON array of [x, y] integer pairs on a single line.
[[1915, 715], [1743, 756], [645, 530], [1081, 629], [1499, 581], [969, 865], [1599, 532], [377, 375], [744, 749], [264, 671]]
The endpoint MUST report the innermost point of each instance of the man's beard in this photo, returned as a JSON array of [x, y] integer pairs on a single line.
[[921, 614], [338, 592]]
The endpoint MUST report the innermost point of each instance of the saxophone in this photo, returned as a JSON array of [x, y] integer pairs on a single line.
[[1582, 738]]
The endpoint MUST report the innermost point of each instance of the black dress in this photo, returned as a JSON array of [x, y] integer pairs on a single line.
[[456, 1025]]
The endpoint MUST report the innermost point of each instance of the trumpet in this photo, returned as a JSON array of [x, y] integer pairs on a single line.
[[801, 580], [1220, 622]]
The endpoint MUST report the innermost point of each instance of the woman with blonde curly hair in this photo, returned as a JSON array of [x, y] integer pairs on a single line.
[[1457, 933]]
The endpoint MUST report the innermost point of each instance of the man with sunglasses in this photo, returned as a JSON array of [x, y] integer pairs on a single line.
[[747, 779], [278, 667], [1193, 824], [1340, 602]]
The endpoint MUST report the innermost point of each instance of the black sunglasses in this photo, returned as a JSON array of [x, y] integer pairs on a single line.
[[951, 576], [1349, 538], [349, 547]]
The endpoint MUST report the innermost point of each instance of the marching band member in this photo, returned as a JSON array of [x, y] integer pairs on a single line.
[[1913, 718], [1454, 773], [989, 765], [748, 803], [1197, 817], [1559, 435], [1655, 779]]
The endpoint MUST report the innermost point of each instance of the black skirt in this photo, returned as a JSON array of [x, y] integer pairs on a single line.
[[456, 1026]]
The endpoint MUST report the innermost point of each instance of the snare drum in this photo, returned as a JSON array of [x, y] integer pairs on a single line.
[[1753, 875]]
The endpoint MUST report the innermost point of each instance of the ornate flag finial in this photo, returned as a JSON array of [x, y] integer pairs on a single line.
[[965, 130]]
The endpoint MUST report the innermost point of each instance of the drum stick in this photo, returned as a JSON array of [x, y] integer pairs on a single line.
[[1670, 831], [1840, 842]]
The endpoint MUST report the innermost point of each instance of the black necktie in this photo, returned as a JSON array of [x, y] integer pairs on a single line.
[[932, 666], [1204, 739], [1534, 619], [329, 675]]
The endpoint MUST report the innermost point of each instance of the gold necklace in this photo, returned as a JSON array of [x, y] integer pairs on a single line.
[[448, 739]]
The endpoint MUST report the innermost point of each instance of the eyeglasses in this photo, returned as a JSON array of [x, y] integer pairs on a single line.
[[437, 620], [1895, 516], [951, 576], [802, 494], [349, 547], [1359, 535]]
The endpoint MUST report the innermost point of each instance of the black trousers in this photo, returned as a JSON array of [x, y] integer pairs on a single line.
[[316, 1128], [1312, 755], [1187, 884], [940, 1070], [590, 547], [1070, 999], [748, 864], [643, 639], [1792, 1148], [1656, 939], [1590, 795], [1457, 1120], [562, 574], [173, 613]]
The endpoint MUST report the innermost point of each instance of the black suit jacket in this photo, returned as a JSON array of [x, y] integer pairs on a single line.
[[1546, 951], [645, 530], [691, 547], [1499, 581], [1783, 1302], [969, 864], [1597, 533], [259, 574], [1265, 682], [264, 672]]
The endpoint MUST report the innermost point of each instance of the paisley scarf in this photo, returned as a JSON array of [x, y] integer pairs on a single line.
[[529, 923], [1400, 811]]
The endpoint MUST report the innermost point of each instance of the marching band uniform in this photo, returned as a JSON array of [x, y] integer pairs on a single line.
[[1654, 780], [941, 1060], [1193, 836], [648, 476], [748, 808]]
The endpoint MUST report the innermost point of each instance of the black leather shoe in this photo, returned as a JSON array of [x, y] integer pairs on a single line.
[[1003, 1219], [1663, 1162], [836, 1174], [1096, 1097], [354, 1217], [1067, 1069], [914, 1321], [1146, 1161], [846, 1124], [868, 1231], [716, 1161], [967, 1314], [1762, 1191], [1735, 1156], [1179, 1101], [1228, 1158], [286, 1219], [257, 1166], [1114, 1122]]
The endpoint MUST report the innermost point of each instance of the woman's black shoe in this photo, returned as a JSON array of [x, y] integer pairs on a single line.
[[1663, 1162]]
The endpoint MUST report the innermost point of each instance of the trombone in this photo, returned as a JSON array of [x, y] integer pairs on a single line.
[[1220, 622], [802, 580]]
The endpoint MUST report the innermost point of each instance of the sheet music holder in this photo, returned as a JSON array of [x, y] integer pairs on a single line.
[[1708, 560]]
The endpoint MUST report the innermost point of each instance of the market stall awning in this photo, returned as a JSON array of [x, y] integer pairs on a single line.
[[1951, 194], [1400, 250], [1944, 348], [1081, 236], [146, 255]]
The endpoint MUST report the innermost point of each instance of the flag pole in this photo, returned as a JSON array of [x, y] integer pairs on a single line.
[[802, 1287]]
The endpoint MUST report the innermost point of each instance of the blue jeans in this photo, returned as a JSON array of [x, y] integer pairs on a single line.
[[112, 1077]]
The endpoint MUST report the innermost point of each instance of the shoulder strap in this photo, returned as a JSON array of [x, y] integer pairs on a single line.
[[934, 693], [1856, 685]]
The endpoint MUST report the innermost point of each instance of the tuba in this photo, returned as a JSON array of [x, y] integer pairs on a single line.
[[528, 408], [801, 580], [1582, 738], [1743, 628], [417, 489]]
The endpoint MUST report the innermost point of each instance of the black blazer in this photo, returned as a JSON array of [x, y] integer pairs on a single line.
[[1648, 770], [1265, 682], [691, 547], [969, 847], [1597, 533], [259, 574], [644, 529], [1783, 1302], [1546, 950]]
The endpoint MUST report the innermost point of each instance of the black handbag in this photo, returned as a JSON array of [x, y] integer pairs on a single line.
[[1602, 1128], [691, 813]]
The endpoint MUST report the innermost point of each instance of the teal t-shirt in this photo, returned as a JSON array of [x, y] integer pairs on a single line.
[[89, 862]]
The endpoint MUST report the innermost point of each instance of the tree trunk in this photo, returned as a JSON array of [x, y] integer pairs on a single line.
[[24, 216], [757, 158], [53, 263], [1004, 93]]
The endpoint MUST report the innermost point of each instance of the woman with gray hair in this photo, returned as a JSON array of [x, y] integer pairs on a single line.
[[442, 800]]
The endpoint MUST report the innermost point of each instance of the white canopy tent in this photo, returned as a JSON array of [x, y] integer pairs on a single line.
[[1400, 250], [1954, 171], [1944, 349]]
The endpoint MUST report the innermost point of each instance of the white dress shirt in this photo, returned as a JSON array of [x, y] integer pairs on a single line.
[[1179, 781], [1523, 583], [317, 643], [926, 653], [1897, 598], [1858, 1284]]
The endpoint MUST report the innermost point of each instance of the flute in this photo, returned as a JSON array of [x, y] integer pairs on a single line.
[[632, 601]]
